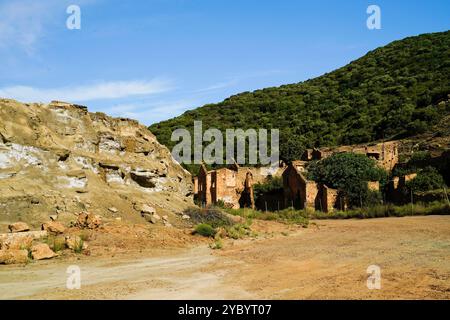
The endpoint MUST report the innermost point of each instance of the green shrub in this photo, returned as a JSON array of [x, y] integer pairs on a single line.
[[56, 243], [427, 179], [290, 215], [78, 246], [205, 230], [210, 215], [239, 231], [217, 244]]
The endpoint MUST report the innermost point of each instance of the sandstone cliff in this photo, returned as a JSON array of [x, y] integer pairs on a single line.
[[60, 159]]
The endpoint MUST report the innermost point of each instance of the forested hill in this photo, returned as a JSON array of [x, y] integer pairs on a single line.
[[392, 92]]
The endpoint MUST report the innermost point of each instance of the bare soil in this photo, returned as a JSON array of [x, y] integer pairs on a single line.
[[328, 260]]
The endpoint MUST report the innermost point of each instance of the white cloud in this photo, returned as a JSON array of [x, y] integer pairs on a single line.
[[97, 91]]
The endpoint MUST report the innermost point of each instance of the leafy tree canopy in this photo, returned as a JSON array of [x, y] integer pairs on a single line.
[[427, 179], [347, 172]]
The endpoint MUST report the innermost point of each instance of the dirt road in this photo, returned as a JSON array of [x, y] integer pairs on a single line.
[[328, 260]]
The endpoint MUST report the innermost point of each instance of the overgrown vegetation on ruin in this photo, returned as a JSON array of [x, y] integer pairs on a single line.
[[395, 91], [349, 173]]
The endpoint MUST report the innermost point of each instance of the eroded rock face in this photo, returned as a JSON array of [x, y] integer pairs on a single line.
[[59, 159]]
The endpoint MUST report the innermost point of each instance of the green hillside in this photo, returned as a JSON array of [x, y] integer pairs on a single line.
[[392, 92]]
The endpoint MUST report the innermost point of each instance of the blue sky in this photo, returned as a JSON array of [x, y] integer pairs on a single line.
[[152, 60]]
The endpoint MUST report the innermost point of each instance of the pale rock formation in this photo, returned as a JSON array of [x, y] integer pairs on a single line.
[[59, 159]]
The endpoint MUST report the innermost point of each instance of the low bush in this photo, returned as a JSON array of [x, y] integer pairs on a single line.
[[205, 230], [210, 215], [56, 243], [217, 244], [240, 230], [299, 217]]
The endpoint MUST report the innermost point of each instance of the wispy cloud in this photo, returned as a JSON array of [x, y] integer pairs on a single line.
[[96, 91], [218, 86], [149, 112], [22, 22]]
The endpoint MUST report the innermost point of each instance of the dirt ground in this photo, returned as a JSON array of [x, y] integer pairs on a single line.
[[328, 260]]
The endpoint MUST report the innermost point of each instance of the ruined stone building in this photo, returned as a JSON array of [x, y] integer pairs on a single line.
[[301, 193], [385, 154], [233, 185]]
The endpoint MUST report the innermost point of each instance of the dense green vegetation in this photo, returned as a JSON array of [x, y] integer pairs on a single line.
[[273, 184], [427, 179], [348, 172], [392, 92]]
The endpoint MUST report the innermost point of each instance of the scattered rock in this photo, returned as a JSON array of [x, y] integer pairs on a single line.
[[13, 256], [53, 227], [185, 217], [165, 218], [18, 227], [53, 217], [147, 209], [42, 251], [17, 243], [113, 210], [150, 218], [8, 237], [88, 221]]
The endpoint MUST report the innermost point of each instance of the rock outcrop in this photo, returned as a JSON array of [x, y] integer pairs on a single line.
[[58, 159]]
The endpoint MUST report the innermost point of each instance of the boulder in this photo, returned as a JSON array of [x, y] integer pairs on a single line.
[[88, 221], [185, 217], [150, 218], [113, 210], [13, 256], [147, 209], [17, 243], [42, 251], [53, 227], [18, 227], [5, 237]]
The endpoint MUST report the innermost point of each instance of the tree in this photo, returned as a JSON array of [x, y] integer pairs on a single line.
[[292, 147], [427, 179], [347, 172]]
